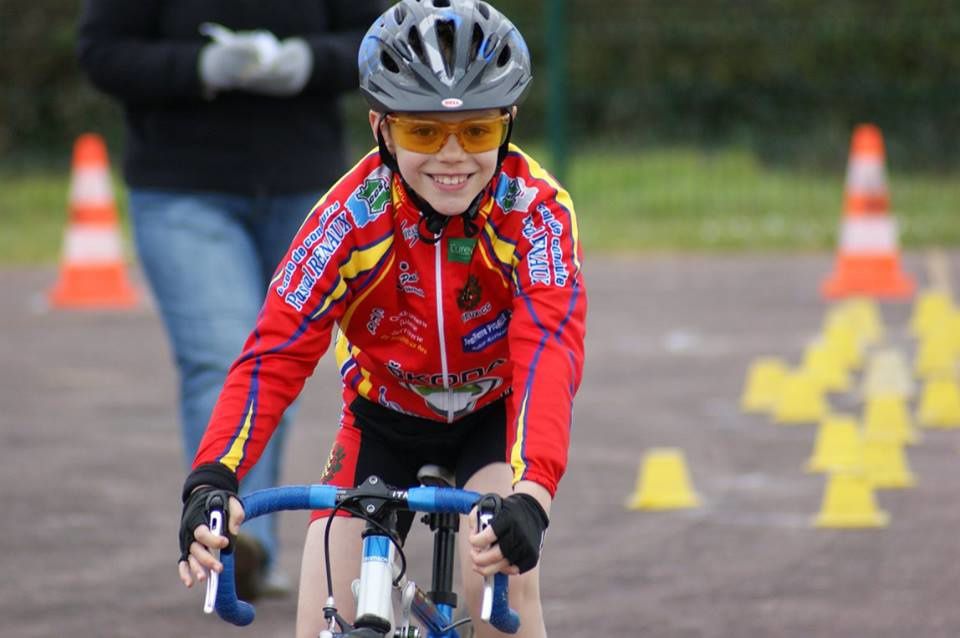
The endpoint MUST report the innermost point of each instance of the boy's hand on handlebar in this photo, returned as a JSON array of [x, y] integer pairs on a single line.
[[512, 542], [485, 552], [197, 542]]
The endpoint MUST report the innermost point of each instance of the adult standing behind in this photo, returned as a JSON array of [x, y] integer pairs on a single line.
[[233, 133]]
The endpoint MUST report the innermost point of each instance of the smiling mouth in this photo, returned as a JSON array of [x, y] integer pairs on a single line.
[[450, 180]]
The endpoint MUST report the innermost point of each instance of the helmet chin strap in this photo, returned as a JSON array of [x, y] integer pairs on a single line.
[[430, 220]]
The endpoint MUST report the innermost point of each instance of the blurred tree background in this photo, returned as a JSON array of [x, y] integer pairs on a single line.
[[691, 124], [786, 78]]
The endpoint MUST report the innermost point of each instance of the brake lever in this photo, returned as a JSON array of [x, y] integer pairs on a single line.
[[213, 580], [486, 510]]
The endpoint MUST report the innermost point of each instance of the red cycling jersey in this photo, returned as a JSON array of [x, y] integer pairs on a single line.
[[433, 330]]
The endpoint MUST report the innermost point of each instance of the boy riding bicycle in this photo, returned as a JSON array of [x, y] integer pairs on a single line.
[[450, 262]]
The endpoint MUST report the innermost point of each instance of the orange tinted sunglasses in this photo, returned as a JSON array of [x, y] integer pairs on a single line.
[[423, 135]]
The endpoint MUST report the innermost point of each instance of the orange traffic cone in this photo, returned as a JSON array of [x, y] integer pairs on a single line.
[[92, 271], [868, 261]]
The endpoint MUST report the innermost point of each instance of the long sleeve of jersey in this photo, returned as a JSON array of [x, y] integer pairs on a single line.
[[546, 337], [310, 291]]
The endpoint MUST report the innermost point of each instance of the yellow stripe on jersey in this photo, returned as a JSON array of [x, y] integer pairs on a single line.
[[365, 385], [341, 349], [516, 452], [345, 350], [505, 252], [366, 259], [488, 262], [387, 268], [235, 454], [331, 298], [360, 261]]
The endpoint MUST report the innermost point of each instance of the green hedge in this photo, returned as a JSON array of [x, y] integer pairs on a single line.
[[787, 78]]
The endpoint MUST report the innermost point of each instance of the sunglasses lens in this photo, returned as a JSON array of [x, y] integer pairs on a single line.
[[419, 136], [429, 136], [477, 136]]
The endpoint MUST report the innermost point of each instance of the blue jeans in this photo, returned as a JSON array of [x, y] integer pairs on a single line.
[[209, 258]]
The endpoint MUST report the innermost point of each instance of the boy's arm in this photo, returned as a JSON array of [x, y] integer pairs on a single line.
[[546, 337], [310, 291]]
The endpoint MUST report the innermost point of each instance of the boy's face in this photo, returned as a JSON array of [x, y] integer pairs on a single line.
[[451, 177]]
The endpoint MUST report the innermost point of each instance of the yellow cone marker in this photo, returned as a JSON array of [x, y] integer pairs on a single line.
[[952, 328], [865, 319], [840, 337], [886, 418], [801, 400], [885, 465], [663, 482], [826, 366], [848, 502], [838, 446], [762, 387], [936, 355], [939, 404], [931, 308]]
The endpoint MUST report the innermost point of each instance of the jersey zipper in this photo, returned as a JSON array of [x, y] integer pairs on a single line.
[[443, 340]]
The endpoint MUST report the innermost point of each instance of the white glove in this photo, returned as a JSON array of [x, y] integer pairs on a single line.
[[287, 74], [233, 57], [224, 66]]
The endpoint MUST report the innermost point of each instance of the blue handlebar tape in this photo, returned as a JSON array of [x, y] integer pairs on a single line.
[[290, 497], [501, 616], [441, 499], [227, 605]]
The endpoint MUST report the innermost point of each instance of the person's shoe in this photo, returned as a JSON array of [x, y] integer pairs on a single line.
[[250, 561]]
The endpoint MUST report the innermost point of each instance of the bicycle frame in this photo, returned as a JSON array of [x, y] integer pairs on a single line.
[[374, 595]]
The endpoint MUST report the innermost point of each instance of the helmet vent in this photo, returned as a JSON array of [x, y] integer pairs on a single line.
[[504, 56], [446, 33], [416, 44], [401, 47], [441, 4], [400, 13], [476, 41], [484, 10], [389, 63]]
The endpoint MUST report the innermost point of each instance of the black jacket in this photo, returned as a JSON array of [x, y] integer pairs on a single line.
[[145, 54]]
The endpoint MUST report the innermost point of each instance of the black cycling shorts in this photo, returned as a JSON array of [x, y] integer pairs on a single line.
[[373, 439]]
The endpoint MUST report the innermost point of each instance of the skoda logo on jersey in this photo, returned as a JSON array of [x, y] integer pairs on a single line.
[[460, 400], [369, 201]]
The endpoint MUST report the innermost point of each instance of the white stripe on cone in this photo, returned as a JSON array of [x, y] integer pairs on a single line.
[[867, 176], [85, 245], [91, 187], [869, 235]]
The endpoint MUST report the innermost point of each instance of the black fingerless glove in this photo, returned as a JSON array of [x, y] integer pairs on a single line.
[[520, 526], [207, 488]]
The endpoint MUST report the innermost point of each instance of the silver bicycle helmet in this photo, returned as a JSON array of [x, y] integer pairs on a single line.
[[443, 55]]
